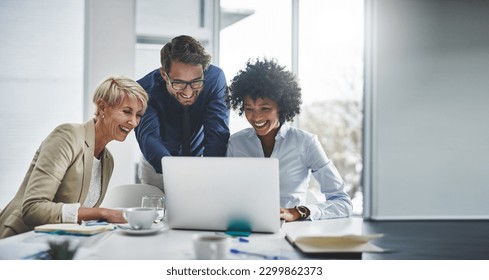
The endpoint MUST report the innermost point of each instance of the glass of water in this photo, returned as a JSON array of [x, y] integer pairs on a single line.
[[157, 202]]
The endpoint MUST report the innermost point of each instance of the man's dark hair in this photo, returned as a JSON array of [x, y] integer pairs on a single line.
[[184, 49]]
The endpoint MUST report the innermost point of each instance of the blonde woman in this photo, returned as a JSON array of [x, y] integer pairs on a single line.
[[70, 172]]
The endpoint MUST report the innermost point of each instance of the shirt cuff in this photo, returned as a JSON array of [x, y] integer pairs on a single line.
[[69, 213], [315, 213]]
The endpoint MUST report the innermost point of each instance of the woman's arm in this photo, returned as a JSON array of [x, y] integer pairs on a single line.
[[338, 203], [56, 154], [110, 215]]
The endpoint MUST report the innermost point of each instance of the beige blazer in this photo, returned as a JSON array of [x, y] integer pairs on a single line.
[[59, 173]]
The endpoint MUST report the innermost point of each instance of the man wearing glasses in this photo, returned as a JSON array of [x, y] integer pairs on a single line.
[[187, 113]]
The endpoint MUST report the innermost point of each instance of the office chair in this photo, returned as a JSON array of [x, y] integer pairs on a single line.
[[130, 195]]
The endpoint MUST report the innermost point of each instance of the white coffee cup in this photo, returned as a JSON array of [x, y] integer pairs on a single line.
[[139, 217], [210, 246]]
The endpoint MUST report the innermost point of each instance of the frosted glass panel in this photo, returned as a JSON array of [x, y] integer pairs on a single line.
[[429, 100], [41, 79]]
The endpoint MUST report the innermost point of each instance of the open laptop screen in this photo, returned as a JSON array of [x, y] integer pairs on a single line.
[[214, 193]]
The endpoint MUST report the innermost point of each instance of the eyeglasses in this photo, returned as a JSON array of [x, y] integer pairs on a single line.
[[181, 85]]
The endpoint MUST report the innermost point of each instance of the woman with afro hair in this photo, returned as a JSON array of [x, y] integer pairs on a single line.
[[270, 97]]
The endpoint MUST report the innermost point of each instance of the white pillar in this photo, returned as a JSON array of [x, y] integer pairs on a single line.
[[110, 41]]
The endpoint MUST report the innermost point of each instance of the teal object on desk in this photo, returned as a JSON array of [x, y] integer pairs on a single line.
[[239, 227]]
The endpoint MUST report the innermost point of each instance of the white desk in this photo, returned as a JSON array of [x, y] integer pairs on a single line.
[[165, 245]]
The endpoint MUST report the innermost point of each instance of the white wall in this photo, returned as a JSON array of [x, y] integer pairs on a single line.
[[41, 79], [427, 83]]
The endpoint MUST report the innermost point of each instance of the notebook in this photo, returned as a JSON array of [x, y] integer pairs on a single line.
[[222, 194], [331, 236], [73, 229]]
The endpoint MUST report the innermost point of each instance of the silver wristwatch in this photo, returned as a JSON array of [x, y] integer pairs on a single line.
[[303, 211]]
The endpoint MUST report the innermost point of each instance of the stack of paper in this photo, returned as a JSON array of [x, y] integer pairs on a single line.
[[330, 236]]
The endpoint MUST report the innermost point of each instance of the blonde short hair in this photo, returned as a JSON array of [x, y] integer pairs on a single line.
[[114, 88]]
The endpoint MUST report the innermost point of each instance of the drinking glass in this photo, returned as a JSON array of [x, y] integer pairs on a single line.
[[157, 202]]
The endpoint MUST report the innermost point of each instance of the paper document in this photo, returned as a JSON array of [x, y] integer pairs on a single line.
[[330, 236]]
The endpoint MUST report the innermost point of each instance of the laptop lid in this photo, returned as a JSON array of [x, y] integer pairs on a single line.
[[216, 193]]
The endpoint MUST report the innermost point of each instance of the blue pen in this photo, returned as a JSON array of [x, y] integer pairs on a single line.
[[240, 239], [236, 251], [42, 255]]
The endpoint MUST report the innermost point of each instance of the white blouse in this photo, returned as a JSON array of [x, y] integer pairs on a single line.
[[69, 212], [300, 154]]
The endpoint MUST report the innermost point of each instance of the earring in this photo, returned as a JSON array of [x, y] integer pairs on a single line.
[[103, 116]]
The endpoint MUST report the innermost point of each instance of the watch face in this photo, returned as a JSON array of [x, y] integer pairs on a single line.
[[301, 211]]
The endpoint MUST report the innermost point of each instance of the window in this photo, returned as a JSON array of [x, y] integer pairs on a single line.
[[330, 69], [331, 76], [257, 34]]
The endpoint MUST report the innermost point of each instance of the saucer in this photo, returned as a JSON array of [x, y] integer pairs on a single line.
[[125, 228]]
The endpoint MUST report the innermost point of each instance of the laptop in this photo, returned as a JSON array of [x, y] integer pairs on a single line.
[[222, 193]]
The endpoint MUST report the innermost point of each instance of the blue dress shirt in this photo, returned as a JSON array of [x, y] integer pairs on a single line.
[[159, 133], [299, 154]]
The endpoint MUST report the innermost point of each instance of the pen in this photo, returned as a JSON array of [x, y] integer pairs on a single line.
[[236, 251], [240, 239], [42, 255]]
